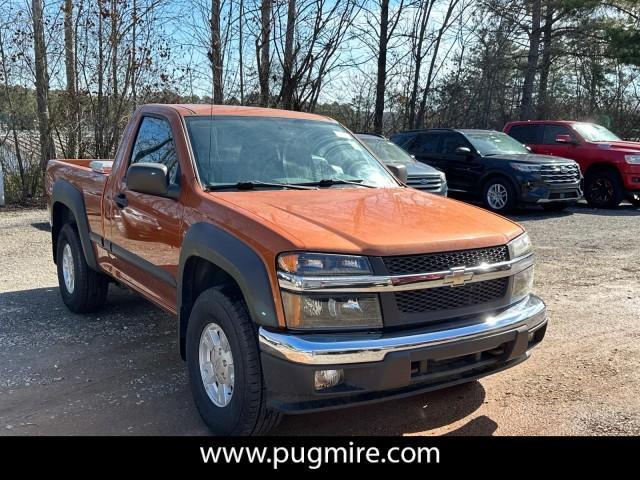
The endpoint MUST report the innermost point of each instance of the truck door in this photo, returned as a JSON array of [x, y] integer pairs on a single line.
[[144, 231], [549, 145]]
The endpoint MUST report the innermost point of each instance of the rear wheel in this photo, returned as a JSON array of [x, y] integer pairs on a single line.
[[603, 189], [224, 366], [82, 289], [498, 195]]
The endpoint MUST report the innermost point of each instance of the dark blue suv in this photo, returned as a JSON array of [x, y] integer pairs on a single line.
[[495, 168]]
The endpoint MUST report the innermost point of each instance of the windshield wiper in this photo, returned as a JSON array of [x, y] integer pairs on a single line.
[[328, 182], [250, 185]]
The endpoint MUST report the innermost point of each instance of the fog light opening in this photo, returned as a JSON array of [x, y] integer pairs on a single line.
[[328, 378]]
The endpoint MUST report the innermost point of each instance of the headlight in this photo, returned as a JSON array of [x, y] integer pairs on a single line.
[[328, 311], [634, 159], [322, 264], [526, 167], [340, 311], [520, 246], [522, 284]]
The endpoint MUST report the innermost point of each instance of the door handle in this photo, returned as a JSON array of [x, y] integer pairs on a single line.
[[120, 200]]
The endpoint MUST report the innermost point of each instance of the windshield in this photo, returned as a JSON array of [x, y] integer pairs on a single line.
[[595, 133], [236, 149], [387, 151], [494, 143]]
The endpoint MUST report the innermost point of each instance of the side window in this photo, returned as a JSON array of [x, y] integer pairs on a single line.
[[527, 134], [154, 144], [552, 131], [425, 143], [450, 142]]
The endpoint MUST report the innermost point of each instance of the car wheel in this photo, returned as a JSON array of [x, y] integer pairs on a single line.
[[635, 199], [603, 189], [555, 206], [224, 366], [82, 289], [499, 195]]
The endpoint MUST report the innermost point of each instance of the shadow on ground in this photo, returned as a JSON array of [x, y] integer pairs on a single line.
[[118, 372]]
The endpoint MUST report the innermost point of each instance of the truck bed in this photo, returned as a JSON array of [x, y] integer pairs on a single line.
[[89, 181]]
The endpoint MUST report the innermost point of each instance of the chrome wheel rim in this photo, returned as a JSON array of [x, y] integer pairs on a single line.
[[68, 269], [216, 365], [497, 196]]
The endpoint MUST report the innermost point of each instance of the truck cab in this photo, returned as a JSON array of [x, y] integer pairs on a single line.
[[303, 275], [610, 165]]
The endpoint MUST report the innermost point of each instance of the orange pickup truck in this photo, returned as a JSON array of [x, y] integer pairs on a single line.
[[304, 274]]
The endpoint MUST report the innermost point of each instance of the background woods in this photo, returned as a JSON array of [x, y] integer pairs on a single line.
[[72, 71]]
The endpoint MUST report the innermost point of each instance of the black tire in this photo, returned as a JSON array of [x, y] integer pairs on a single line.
[[555, 206], [634, 198], [603, 189], [90, 288], [246, 412], [501, 183]]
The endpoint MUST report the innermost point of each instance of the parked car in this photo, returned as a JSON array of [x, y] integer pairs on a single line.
[[611, 166], [419, 175], [303, 275], [493, 167]]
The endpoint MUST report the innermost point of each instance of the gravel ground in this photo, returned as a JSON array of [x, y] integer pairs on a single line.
[[119, 372]]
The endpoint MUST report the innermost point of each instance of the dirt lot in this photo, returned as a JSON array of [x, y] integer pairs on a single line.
[[118, 372]]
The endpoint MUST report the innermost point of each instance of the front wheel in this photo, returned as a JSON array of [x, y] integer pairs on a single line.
[[498, 195], [224, 366], [603, 189]]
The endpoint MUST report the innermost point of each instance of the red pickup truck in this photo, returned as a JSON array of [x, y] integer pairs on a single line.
[[304, 275], [611, 166]]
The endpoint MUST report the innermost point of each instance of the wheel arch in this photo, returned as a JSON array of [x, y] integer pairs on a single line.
[[498, 174], [600, 167], [212, 257], [67, 206]]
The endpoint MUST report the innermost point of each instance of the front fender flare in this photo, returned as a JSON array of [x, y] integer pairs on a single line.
[[236, 258]]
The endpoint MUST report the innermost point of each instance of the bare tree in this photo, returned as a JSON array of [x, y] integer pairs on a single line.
[[263, 56], [387, 26], [73, 111], [526, 104], [47, 148], [215, 53]]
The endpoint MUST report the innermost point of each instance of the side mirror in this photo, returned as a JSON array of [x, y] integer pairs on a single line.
[[152, 179], [466, 151], [399, 171], [565, 139]]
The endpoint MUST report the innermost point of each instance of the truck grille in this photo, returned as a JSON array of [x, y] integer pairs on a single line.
[[566, 173], [427, 183], [447, 298], [438, 262]]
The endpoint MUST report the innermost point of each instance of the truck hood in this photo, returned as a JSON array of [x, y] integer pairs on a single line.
[[621, 146], [533, 158], [378, 222]]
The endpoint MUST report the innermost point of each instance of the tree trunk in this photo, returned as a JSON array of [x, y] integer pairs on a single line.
[[425, 13], [526, 105], [215, 53], [262, 51], [73, 114], [47, 149], [240, 50], [545, 67], [422, 111], [381, 81], [286, 93]]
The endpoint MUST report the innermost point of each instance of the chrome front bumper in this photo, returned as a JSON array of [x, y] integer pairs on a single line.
[[348, 348]]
